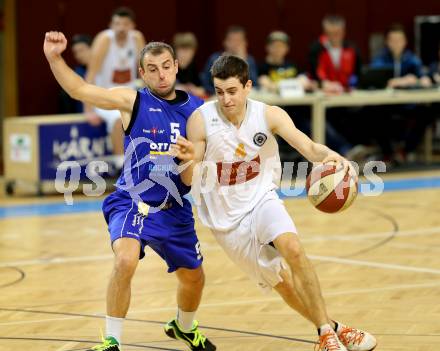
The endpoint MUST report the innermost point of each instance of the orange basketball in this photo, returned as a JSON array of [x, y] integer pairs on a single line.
[[330, 189]]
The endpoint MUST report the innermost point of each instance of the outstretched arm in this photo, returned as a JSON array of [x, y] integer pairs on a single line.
[[192, 150], [111, 99], [280, 123]]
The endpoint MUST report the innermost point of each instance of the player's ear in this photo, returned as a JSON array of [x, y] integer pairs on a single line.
[[248, 85], [141, 71], [176, 63]]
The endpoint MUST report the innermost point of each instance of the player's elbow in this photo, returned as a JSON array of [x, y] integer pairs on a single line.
[[78, 91]]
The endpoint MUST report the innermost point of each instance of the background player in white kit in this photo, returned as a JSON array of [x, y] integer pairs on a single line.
[[114, 62], [235, 135]]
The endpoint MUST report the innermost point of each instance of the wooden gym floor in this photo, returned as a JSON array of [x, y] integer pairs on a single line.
[[378, 263]]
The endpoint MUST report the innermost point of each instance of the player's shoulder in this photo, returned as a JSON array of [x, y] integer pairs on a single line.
[[137, 34], [193, 101], [274, 116], [273, 110], [104, 36]]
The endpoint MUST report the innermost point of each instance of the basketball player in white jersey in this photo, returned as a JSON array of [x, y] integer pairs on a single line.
[[114, 62], [234, 137]]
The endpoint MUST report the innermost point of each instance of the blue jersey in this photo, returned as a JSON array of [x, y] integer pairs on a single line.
[[149, 171]]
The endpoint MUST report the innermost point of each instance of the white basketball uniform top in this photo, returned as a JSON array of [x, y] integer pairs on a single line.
[[240, 166], [119, 66]]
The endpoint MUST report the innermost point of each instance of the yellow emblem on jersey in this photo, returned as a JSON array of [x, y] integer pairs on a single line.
[[240, 151], [143, 208]]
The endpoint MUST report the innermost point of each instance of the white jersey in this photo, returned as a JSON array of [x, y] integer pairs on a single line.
[[240, 166], [119, 66]]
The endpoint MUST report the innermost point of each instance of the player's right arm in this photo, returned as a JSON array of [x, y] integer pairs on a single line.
[[191, 150], [111, 99]]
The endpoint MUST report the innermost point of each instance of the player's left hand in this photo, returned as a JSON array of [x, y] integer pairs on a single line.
[[182, 149]]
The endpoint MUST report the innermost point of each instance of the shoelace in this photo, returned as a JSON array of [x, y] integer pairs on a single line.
[[328, 342], [351, 336], [105, 344], [198, 338]]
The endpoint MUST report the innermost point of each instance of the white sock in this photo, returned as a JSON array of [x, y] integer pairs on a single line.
[[324, 328], [185, 319], [113, 327]]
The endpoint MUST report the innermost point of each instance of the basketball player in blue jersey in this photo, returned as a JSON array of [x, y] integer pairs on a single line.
[[147, 208]]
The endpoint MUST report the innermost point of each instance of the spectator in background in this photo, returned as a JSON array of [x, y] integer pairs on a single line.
[[185, 47], [277, 67], [406, 65], [81, 50], [235, 43], [402, 127], [114, 62], [335, 62]]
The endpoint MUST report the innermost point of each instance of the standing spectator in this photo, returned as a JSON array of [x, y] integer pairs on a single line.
[[114, 62], [81, 50], [335, 62], [235, 43], [185, 47]]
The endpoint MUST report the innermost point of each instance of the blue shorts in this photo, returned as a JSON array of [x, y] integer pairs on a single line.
[[169, 232]]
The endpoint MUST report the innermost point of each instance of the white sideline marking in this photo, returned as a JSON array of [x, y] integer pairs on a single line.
[[374, 264]]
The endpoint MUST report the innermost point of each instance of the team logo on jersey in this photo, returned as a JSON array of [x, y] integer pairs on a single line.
[[260, 139], [240, 151], [152, 109], [155, 131]]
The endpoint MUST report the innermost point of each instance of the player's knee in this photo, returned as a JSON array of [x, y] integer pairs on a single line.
[[125, 265], [293, 251], [193, 277]]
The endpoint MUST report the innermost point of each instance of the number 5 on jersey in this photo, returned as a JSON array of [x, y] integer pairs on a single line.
[[175, 132]]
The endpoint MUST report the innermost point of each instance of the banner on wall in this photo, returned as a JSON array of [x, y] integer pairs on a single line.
[[78, 142]]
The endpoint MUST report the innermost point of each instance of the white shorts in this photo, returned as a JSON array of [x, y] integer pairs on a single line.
[[248, 244], [109, 116]]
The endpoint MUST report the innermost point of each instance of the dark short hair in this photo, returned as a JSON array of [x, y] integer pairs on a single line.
[[333, 19], [227, 66], [81, 38], [396, 27], [124, 12], [155, 48]]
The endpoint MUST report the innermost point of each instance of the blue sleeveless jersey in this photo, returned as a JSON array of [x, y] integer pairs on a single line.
[[149, 171]]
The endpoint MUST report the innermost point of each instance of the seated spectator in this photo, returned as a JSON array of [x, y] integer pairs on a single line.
[[235, 43], [81, 50], [402, 127], [277, 67], [335, 62], [185, 47], [406, 65]]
